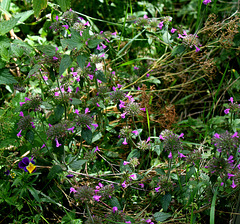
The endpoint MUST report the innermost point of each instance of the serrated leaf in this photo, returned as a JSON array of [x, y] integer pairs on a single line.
[[66, 61], [87, 135], [64, 4], [81, 59], [38, 5], [161, 216], [77, 165], [48, 50], [54, 171], [115, 203], [74, 42], [6, 78], [17, 50], [100, 75], [93, 43], [24, 15], [178, 50], [133, 153], [166, 199], [58, 112], [7, 25]]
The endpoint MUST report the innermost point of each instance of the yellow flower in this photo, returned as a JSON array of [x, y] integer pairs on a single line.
[[31, 167]]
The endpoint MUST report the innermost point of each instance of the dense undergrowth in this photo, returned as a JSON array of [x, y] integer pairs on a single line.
[[119, 111]]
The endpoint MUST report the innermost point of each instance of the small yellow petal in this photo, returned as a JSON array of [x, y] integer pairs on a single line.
[[31, 167]]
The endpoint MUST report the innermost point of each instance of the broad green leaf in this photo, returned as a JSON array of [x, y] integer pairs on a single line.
[[66, 61], [178, 50], [161, 216], [100, 75], [6, 77], [7, 25], [64, 4], [58, 112], [133, 153], [38, 5], [87, 135], [17, 50], [167, 38], [76, 41], [54, 171], [48, 50], [166, 199], [93, 43], [24, 15], [115, 203], [81, 59], [96, 136], [75, 101], [5, 4], [77, 165]]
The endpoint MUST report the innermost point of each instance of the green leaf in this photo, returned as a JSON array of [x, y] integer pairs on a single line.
[[77, 165], [48, 50], [96, 136], [35, 69], [133, 153], [161, 216], [38, 6], [6, 78], [87, 135], [54, 171], [93, 43], [167, 38], [65, 63], [115, 203], [100, 75], [75, 41], [166, 199], [64, 4], [24, 15], [190, 173], [30, 136], [178, 50], [58, 112], [17, 50], [81, 59], [7, 25], [34, 194], [212, 211], [75, 101]]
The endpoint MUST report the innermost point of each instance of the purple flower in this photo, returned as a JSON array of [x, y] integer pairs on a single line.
[[128, 222], [226, 111], [216, 135], [76, 111], [56, 18], [181, 135], [21, 103], [125, 163], [70, 176], [71, 129], [124, 184], [170, 155], [235, 135], [65, 26], [181, 155], [230, 175], [173, 30], [123, 115], [95, 126], [72, 189], [96, 149], [160, 25], [133, 176], [157, 189], [231, 99], [43, 146], [161, 137], [114, 34], [233, 184], [87, 110], [97, 197], [57, 143], [141, 185], [125, 141], [45, 78], [21, 114], [55, 58], [205, 2], [114, 209], [27, 165], [135, 132], [147, 75], [19, 133]]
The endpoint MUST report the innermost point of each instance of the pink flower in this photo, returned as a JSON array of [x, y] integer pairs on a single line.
[[114, 88], [74, 74], [77, 89], [114, 73], [27, 99], [230, 175], [216, 135], [128, 222], [21, 114], [95, 126], [45, 78], [100, 185], [114, 34], [56, 94], [32, 124], [170, 155], [90, 77], [43, 146], [88, 127], [135, 68], [141, 185], [181, 155], [205, 2], [72, 189], [87, 110], [88, 65], [57, 143], [19, 133], [65, 26], [97, 197], [147, 75], [145, 16], [231, 99], [21, 103], [103, 46], [124, 184], [157, 189], [160, 25], [161, 137], [96, 149], [125, 141], [173, 30], [87, 24], [119, 86], [133, 176], [226, 111], [125, 163], [235, 135], [76, 111], [71, 129], [222, 183], [148, 140], [123, 115], [98, 47], [98, 104], [181, 135], [56, 18], [135, 132], [197, 48], [55, 58], [233, 184], [115, 209], [143, 109]]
